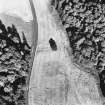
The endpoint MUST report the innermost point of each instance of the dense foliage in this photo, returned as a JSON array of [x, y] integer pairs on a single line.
[[14, 66], [84, 22]]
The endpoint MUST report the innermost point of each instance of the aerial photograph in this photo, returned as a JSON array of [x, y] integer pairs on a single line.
[[52, 52]]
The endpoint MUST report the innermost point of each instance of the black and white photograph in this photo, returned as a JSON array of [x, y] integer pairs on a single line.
[[52, 52]]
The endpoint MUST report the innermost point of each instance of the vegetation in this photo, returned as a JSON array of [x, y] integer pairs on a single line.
[[14, 66]]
